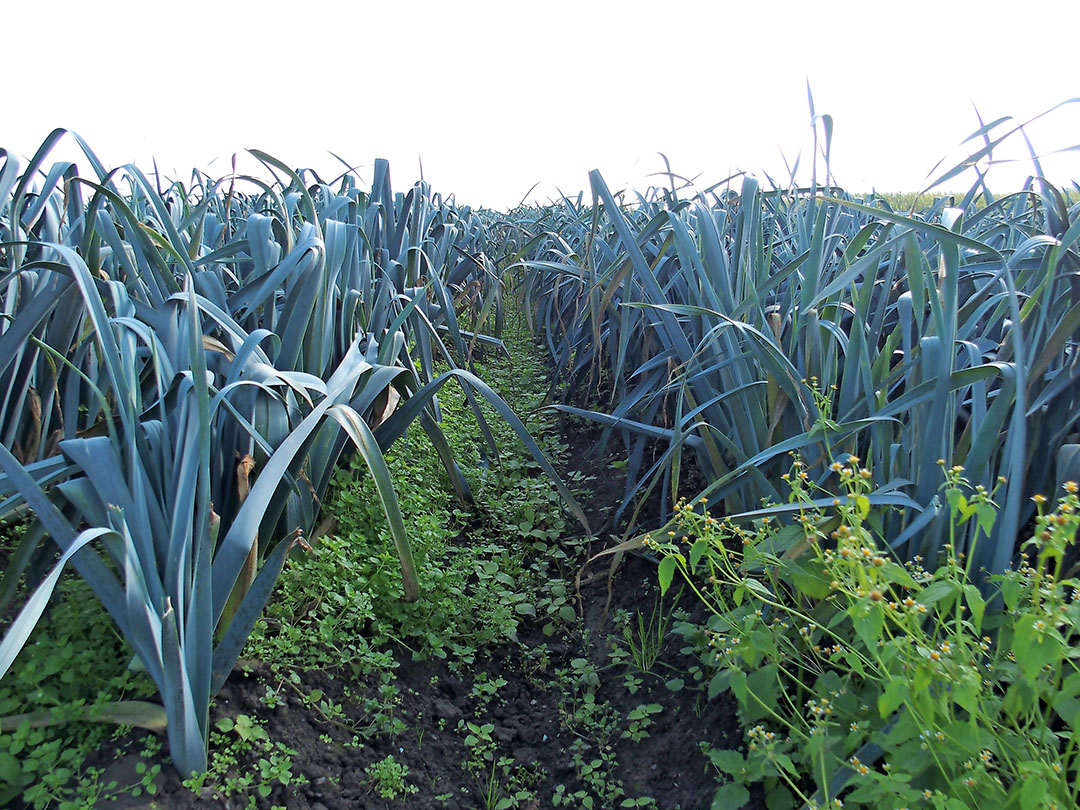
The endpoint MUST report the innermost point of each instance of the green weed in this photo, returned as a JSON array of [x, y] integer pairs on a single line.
[[387, 777], [75, 663], [234, 746], [639, 720], [869, 683]]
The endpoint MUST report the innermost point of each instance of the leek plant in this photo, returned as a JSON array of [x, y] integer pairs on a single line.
[[741, 324], [184, 367]]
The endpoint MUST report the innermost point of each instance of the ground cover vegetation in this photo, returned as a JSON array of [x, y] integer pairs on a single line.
[[826, 446]]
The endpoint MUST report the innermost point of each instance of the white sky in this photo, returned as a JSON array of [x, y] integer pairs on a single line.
[[497, 96]]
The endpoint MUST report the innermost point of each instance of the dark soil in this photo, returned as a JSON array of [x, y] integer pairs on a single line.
[[526, 713], [601, 462]]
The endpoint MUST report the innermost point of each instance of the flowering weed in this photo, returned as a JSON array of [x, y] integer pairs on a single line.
[[867, 683]]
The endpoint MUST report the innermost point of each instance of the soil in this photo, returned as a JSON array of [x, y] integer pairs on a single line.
[[602, 464], [667, 765]]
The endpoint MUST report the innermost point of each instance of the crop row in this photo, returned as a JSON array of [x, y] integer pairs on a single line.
[[736, 326], [184, 367]]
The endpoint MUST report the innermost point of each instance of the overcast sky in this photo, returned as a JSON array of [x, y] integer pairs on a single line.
[[495, 97]]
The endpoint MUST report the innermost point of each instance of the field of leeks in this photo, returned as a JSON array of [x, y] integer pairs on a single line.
[[184, 366]]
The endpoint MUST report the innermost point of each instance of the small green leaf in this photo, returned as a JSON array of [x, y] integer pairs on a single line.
[[784, 761], [1033, 792], [976, 604], [868, 620], [1034, 645], [666, 572], [862, 503], [738, 685], [730, 762], [1011, 591], [956, 500], [896, 692], [719, 683], [759, 589], [922, 678], [937, 591], [9, 768], [808, 576], [780, 798], [965, 693], [731, 796], [697, 551], [762, 684], [896, 573]]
